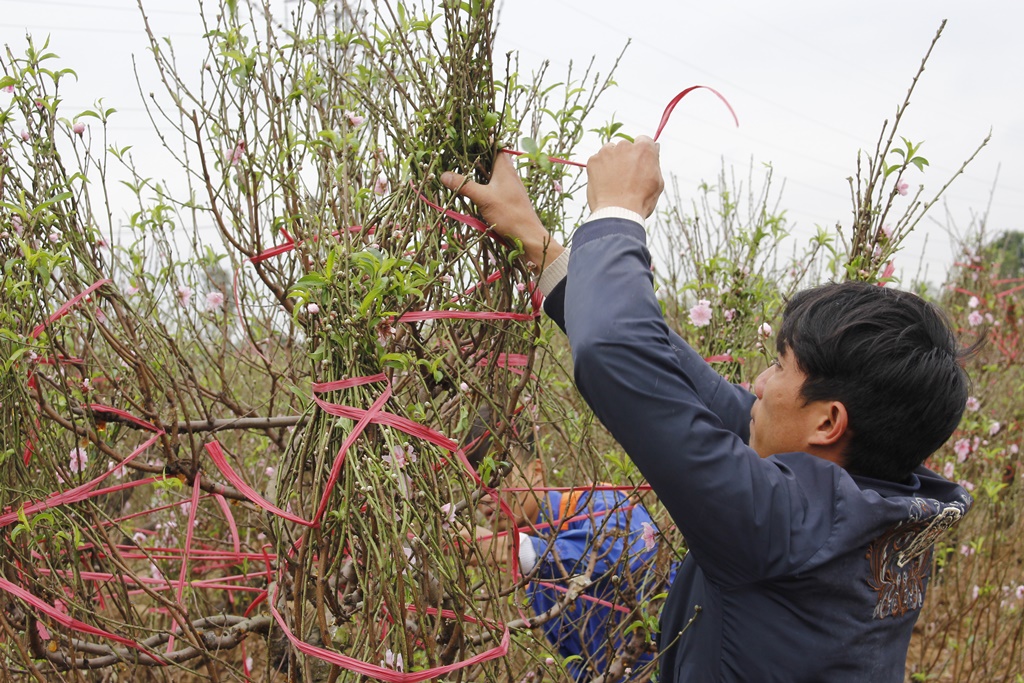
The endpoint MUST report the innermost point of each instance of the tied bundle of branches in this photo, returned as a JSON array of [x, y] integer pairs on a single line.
[[309, 149]]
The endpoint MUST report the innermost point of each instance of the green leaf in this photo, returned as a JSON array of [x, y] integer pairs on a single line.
[[329, 265], [398, 361], [50, 202], [18, 353], [310, 281], [331, 136]]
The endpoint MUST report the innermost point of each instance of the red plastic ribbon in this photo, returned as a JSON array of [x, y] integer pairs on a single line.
[[350, 439], [61, 618], [62, 311], [217, 455], [390, 675], [667, 114]]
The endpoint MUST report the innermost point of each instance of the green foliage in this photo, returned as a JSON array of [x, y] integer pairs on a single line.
[[1007, 251], [324, 136]]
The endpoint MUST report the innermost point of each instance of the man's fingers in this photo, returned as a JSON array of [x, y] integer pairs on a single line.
[[471, 190], [645, 140], [453, 181]]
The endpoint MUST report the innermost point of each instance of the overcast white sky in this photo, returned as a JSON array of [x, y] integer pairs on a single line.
[[811, 82]]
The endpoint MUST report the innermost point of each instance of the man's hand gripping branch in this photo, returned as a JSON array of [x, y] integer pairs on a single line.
[[625, 175]]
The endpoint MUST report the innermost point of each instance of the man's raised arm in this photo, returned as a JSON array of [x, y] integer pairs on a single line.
[[505, 205]]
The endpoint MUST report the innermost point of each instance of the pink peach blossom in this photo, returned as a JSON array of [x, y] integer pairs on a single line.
[[392, 661], [214, 301], [448, 510], [648, 535], [77, 460], [237, 153], [400, 457], [184, 295], [700, 315], [78, 128], [962, 448]]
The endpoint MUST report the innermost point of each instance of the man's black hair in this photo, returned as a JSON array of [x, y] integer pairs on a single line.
[[892, 359]]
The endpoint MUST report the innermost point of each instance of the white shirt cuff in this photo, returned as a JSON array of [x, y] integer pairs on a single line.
[[556, 271], [527, 554], [617, 212], [553, 273]]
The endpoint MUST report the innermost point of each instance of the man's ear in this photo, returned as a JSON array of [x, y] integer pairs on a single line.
[[832, 425]]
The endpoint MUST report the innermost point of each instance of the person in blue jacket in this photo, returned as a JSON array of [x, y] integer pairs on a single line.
[[808, 516], [589, 553]]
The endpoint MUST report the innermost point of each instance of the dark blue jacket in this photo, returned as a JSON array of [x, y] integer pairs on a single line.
[[607, 525], [796, 570]]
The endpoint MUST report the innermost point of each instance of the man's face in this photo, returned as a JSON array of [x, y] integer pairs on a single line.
[[518, 491], [780, 421]]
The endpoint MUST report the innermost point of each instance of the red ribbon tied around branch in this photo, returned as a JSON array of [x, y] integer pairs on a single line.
[[665, 116]]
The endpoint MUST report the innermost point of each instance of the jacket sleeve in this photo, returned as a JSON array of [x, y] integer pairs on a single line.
[[730, 402], [744, 518]]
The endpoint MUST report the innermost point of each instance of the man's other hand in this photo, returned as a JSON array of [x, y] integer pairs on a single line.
[[627, 175], [506, 207]]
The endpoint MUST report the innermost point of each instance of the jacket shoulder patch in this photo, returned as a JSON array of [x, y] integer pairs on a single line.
[[900, 559]]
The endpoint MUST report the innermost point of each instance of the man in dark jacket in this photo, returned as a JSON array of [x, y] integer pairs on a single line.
[[809, 519]]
